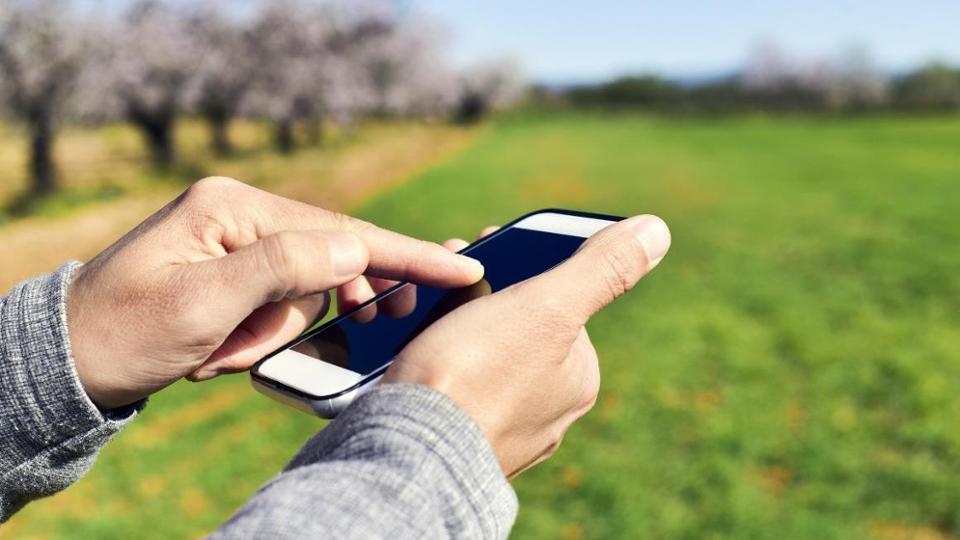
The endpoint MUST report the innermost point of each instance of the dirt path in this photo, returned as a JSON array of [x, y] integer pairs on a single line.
[[341, 179], [346, 179]]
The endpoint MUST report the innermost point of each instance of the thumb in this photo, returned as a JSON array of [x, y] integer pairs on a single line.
[[607, 265], [286, 265]]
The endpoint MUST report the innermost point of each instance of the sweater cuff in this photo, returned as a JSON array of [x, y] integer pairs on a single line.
[[435, 423], [39, 378]]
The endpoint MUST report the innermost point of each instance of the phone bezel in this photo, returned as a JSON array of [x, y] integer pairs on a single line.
[[284, 388]]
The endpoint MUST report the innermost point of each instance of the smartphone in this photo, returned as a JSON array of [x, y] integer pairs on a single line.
[[325, 368]]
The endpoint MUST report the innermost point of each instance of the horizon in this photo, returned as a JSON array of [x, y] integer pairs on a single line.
[[578, 44]]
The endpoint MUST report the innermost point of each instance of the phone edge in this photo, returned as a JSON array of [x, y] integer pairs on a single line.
[[262, 383]]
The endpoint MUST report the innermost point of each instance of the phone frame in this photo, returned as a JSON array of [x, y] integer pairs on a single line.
[[308, 402]]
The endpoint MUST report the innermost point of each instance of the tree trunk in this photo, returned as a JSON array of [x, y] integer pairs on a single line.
[[315, 132], [284, 136], [43, 174], [220, 134], [157, 128], [159, 136]]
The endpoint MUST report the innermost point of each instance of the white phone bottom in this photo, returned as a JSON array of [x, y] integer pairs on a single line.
[[324, 408]]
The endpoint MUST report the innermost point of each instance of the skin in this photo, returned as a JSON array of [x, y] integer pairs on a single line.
[[226, 273], [220, 277], [520, 361]]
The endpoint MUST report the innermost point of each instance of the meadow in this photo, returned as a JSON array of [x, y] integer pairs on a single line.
[[789, 371]]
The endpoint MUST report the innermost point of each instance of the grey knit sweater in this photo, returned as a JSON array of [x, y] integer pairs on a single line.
[[403, 461]]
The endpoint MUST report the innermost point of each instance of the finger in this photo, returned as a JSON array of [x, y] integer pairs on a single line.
[[403, 301], [380, 285], [399, 257], [265, 330], [606, 266], [455, 244], [392, 255], [397, 304], [353, 294], [285, 265]]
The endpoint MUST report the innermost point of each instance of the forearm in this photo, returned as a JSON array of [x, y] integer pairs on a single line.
[[50, 431], [402, 462]]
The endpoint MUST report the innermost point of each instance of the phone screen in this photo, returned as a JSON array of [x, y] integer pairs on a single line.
[[368, 339]]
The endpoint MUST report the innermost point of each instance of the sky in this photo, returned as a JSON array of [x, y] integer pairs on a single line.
[[587, 40]]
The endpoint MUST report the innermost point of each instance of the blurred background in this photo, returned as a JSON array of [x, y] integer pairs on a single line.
[[789, 371]]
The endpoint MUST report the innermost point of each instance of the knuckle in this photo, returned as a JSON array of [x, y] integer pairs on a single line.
[[587, 385], [201, 204], [619, 268], [554, 440], [360, 225], [339, 220], [592, 378], [204, 223], [211, 186], [590, 395], [344, 222], [589, 404], [280, 257], [219, 182]]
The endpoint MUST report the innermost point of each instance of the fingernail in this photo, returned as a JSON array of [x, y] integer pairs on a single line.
[[654, 236], [473, 266], [204, 374], [346, 254]]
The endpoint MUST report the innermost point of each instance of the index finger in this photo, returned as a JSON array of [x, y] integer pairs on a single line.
[[402, 258], [392, 255]]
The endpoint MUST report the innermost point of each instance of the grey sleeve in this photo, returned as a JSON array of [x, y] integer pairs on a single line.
[[50, 431], [403, 461]]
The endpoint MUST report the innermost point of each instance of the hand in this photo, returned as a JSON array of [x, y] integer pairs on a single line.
[[520, 361], [220, 277]]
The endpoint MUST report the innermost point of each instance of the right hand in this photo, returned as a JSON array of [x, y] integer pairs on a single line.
[[520, 361], [220, 277]]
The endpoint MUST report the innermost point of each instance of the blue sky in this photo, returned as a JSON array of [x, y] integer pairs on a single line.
[[577, 40]]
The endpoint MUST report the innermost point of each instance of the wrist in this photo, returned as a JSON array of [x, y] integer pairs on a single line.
[[38, 373], [441, 381], [102, 393], [101, 383]]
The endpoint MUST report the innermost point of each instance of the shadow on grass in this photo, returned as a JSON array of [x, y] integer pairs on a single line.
[[52, 204], [62, 201]]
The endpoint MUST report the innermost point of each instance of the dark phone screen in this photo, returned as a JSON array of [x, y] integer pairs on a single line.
[[372, 337]]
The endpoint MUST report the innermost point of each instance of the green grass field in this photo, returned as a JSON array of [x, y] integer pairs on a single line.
[[791, 370]]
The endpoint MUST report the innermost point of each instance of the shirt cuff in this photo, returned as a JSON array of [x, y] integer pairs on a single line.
[[39, 381], [442, 429]]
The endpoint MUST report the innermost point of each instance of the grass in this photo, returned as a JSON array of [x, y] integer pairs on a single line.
[[789, 371]]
